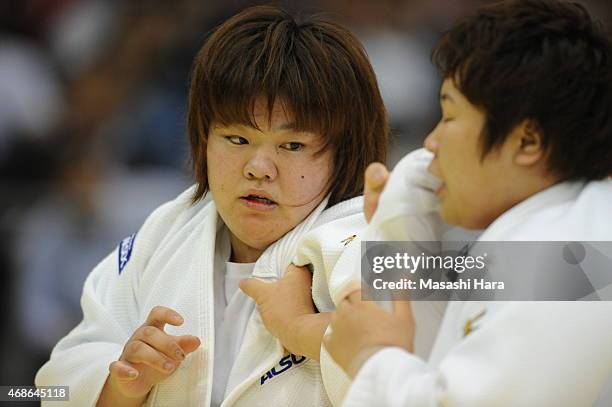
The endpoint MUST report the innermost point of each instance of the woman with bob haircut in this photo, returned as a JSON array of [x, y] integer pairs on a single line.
[[284, 117]]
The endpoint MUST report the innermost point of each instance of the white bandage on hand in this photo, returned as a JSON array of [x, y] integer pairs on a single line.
[[408, 205]]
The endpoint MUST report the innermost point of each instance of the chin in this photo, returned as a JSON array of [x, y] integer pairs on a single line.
[[251, 239], [462, 220]]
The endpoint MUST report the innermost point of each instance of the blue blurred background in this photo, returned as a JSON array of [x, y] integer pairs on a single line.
[[92, 131]]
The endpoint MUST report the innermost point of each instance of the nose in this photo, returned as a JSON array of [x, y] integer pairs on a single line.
[[260, 167], [431, 141]]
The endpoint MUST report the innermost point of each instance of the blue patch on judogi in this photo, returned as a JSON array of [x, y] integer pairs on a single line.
[[125, 251]]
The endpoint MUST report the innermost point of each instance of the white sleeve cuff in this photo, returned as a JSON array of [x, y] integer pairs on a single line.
[[391, 377]]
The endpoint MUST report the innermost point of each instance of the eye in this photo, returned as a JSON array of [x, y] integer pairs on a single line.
[[293, 146], [447, 119], [237, 140]]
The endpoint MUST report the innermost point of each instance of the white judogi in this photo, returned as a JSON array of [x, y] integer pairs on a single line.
[[521, 353], [170, 262]]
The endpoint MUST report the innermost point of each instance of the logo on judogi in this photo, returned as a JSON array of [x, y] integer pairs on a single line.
[[284, 364], [348, 239], [125, 251], [470, 324]]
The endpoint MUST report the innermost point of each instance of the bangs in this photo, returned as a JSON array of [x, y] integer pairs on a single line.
[[274, 65], [241, 111]]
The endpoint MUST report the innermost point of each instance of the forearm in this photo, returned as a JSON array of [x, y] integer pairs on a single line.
[[305, 335], [475, 372], [111, 397]]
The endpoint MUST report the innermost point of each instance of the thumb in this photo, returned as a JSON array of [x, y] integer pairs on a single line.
[[301, 272], [403, 310], [376, 176], [253, 287]]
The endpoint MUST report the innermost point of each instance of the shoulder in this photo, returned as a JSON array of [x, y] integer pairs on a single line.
[[336, 228], [345, 219], [175, 219], [567, 211], [173, 215]]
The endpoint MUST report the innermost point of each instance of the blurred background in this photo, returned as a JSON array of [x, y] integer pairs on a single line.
[[92, 131]]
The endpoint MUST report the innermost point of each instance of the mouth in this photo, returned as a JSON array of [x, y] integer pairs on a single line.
[[256, 201], [433, 168]]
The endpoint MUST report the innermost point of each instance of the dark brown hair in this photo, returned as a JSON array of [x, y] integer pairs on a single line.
[[317, 69], [546, 61]]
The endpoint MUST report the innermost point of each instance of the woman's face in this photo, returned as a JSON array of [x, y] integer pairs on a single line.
[[474, 191], [266, 182]]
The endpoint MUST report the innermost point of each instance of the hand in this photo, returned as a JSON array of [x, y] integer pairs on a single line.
[[360, 328], [376, 177], [150, 355], [407, 208], [283, 304]]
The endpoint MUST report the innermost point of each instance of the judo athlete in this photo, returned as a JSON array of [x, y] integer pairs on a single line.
[[284, 117], [523, 150]]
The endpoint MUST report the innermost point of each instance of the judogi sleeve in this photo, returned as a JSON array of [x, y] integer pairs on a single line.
[[528, 354], [109, 303], [321, 249]]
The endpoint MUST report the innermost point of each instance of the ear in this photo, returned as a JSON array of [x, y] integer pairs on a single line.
[[527, 144]]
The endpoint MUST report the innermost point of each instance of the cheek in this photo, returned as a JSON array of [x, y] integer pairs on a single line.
[[222, 162], [213, 172], [304, 183], [468, 185], [221, 170]]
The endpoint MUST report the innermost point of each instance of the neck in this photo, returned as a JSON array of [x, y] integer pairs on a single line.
[[243, 253]]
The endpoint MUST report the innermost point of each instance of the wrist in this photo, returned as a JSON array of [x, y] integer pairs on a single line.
[[112, 395], [305, 334], [292, 335]]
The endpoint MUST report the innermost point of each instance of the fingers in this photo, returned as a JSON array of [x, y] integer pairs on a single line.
[[354, 297], [342, 310], [328, 343], [376, 176], [401, 305], [328, 338], [151, 355], [160, 316], [123, 371], [160, 341], [150, 341], [141, 352], [403, 310], [188, 343]]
